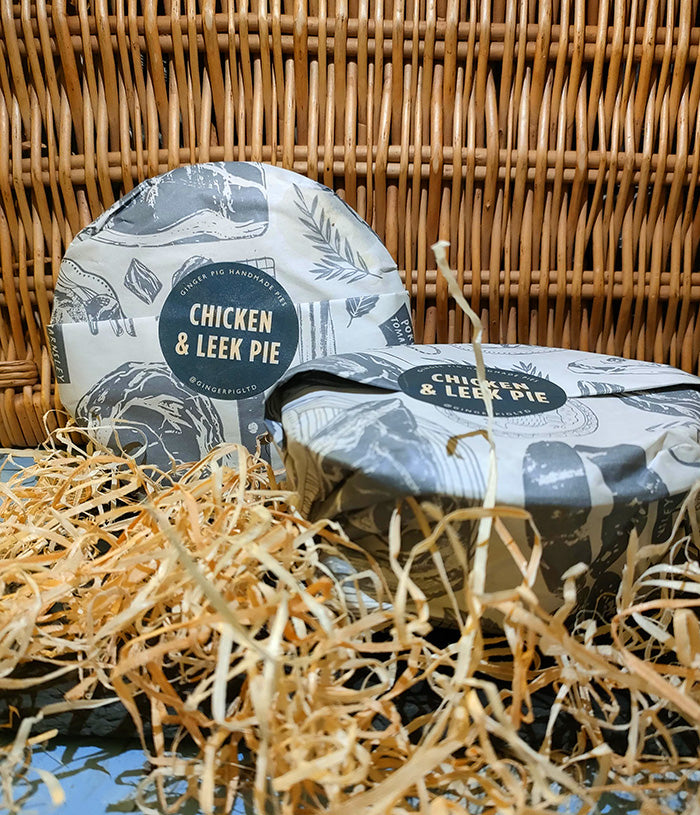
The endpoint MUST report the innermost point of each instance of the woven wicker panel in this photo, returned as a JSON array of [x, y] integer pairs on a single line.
[[556, 146]]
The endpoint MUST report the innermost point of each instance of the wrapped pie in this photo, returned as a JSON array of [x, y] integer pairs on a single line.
[[592, 446], [179, 307]]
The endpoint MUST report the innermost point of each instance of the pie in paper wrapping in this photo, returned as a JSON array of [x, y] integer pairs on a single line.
[[592, 446], [179, 307]]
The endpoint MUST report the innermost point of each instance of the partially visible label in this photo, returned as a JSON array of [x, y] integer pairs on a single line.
[[457, 387], [58, 353], [228, 330], [398, 329]]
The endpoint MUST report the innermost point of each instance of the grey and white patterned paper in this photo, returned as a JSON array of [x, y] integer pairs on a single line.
[[179, 307], [592, 446]]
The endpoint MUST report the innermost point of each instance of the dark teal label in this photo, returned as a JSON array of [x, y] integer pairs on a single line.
[[457, 387], [228, 330]]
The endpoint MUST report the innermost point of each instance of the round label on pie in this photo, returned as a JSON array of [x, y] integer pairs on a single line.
[[228, 330], [457, 387]]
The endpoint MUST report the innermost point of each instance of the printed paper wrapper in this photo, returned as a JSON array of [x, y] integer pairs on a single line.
[[592, 446], [185, 302]]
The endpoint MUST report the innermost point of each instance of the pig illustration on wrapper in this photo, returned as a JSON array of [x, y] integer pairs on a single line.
[[180, 307], [593, 447]]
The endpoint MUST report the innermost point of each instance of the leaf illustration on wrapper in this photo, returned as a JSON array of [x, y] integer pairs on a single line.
[[359, 306], [339, 261], [529, 368]]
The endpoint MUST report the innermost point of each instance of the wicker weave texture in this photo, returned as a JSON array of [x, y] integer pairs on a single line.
[[556, 145]]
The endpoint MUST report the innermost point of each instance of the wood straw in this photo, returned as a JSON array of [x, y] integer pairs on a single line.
[[202, 605], [479, 565]]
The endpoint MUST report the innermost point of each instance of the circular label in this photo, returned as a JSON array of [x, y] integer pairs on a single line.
[[457, 387], [228, 330]]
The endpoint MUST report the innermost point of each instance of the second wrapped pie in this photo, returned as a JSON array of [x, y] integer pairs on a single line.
[[592, 446]]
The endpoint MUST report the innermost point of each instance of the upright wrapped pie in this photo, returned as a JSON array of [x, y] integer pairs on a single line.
[[179, 307], [592, 446]]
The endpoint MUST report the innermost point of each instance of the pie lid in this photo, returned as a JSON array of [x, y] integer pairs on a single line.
[[179, 307], [592, 446]]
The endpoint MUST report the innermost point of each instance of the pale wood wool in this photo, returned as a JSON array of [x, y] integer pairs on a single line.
[[205, 610], [556, 145]]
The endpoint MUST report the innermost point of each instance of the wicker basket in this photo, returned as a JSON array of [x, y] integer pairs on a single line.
[[557, 148]]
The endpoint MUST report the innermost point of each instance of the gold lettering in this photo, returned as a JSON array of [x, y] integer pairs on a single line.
[[208, 312], [255, 350], [266, 322], [235, 352]]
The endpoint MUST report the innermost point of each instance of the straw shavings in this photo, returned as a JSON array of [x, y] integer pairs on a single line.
[[204, 608]]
